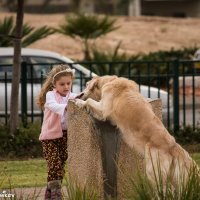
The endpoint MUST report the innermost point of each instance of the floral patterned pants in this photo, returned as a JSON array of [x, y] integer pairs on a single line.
[[55, 153]]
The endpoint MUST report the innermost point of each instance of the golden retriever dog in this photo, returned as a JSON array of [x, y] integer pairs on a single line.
[[119, 101]]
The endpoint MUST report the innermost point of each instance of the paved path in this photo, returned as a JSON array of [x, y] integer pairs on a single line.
[[29, 193]]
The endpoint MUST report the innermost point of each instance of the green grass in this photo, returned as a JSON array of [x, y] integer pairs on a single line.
[[25, 173], [196, 157], [31, 173]]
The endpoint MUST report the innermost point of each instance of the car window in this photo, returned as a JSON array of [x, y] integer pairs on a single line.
[[5, 71], [36, 66], [6, 60], [45, 64], [42, 65], [6, 67], [36, 59]]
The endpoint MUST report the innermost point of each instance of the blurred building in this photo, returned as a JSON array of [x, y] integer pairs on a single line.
[[174, 8], [170, 8]]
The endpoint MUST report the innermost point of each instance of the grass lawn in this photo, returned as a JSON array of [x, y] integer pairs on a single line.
[[196, 157], [31, 173], [25, 173]]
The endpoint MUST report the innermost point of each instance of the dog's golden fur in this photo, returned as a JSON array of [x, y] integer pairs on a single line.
[[119, 100]]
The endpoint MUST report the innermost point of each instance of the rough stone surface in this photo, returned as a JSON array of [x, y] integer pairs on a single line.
[[94, 150], [84, 161]]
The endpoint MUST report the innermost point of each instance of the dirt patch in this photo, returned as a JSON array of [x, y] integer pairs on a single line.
[[138, 34]]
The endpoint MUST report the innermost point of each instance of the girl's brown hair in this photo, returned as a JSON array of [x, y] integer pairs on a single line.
[[55, 74]]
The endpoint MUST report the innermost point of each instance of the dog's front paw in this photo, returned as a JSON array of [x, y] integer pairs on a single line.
[[80, 103]]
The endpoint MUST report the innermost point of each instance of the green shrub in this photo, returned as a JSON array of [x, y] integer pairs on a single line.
[[187, 135], [172, 54], [24, 143], [169, 55], [188, 138]]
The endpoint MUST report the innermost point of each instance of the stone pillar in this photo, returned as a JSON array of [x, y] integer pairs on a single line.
[[96, 150]]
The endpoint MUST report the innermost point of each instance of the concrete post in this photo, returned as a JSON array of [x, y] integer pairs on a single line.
[[96, 150]]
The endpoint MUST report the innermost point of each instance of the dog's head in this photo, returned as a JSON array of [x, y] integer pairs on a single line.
[[94, 87]]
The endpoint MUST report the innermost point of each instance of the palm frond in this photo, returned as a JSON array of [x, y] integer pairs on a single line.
[[27, 29], [6, 31], [37, 34], [29, 33], [110, 56], [87, 26]]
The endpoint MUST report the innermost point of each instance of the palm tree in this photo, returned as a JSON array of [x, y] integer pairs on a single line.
[[29, 33], [86, 28], [18, 35]]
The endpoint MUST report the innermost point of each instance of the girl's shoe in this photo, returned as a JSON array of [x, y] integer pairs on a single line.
[[47, 195], [55, 187]]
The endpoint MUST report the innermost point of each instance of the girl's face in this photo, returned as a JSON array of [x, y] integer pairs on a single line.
[[63, 85]]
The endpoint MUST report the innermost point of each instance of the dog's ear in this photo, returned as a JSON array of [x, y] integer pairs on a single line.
[[96, 83], [93, 83]]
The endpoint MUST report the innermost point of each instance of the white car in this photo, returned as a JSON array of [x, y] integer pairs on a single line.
[[42, 61], [167, 102]]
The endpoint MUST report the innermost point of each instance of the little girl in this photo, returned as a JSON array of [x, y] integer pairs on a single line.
[[53, 99]]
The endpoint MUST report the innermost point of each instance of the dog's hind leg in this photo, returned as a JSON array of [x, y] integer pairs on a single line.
[[93, 107]]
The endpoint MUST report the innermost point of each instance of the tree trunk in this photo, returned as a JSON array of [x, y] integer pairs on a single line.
[[86, 51], [16, 68]]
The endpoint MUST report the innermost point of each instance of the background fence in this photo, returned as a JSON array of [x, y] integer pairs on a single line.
[[176, 82]]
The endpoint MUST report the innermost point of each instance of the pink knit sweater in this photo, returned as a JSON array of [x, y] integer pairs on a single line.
[[53, 113]]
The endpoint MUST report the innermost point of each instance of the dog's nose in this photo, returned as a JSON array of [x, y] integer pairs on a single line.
[[79, 95]]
